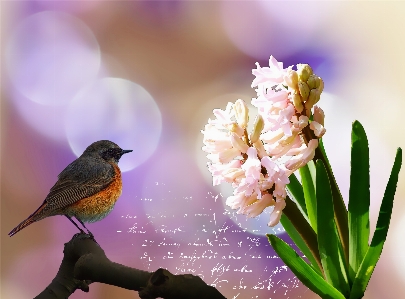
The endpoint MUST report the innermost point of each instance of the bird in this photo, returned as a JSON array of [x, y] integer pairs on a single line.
[[87, 189]]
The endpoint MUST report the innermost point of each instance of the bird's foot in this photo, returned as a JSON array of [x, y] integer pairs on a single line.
[[91, 236], [81, 235]]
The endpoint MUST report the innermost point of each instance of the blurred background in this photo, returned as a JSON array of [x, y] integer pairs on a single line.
[[147, 76]]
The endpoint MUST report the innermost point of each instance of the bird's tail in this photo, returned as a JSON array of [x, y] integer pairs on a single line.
[[31, 219]]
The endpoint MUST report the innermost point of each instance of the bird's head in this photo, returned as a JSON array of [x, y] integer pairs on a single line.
[[107, 150]]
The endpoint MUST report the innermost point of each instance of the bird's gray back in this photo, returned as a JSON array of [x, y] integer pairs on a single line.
[[82, 178]]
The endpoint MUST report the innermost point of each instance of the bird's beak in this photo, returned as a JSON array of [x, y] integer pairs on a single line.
[[125, 152]]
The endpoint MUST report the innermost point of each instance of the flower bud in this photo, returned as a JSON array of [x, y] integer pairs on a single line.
[[235, 128], [296, 98], [239, 143], [261, 152], [312, 99], [291, 79], [241, 113], [304, 90], [313, 82], [320, 86], [257, 129], [304, 71]]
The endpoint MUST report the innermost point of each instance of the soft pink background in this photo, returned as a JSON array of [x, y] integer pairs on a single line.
[[191, 57]]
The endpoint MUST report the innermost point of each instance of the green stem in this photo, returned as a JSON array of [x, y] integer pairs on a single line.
[[306, 232]]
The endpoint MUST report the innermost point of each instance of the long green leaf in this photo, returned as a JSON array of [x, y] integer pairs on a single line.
[[330, 249], [359, 199], [304, 229], [309, 194], [297, 239], [295, 189], [338, 203], [303, 271], [374, 251]]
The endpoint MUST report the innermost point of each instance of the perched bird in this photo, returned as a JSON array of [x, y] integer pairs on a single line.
[[87, 188]]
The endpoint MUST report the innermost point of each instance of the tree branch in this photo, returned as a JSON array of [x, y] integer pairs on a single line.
[[85, 262]]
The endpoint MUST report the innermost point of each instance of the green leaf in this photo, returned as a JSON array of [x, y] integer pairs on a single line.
[[374, 251], [297, 239], [312, 170], [303, 271], [309, 195], [330, 249], [295, 189], [338, 203], [303, 228], [359, 199]]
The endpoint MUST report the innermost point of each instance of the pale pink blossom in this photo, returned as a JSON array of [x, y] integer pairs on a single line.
[[257, 207], [272, 136], [284, 119], [277, 97], [252, 168], [277, 212], [223, 117], [319, 115], [304, 157], [280, 184], [227, 155], [238, 143], [272, 74], [261, 151], [257, 162], [241, 113], [240, 201], [215, 140], [318, 124], [296, 150], [300, 123], [232, 175], [283, 146], [221, 172], [318, 129], [271, 166], [277, 175]]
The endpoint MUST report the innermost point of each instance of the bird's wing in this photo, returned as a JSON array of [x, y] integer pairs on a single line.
[[82, 178]]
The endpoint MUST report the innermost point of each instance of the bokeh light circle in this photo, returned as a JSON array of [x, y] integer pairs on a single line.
[[51, 56], [174, 199], [118, 110], [45, 119], [263, 28]]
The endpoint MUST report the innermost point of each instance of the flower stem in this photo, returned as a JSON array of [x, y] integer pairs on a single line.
[[306, 232]]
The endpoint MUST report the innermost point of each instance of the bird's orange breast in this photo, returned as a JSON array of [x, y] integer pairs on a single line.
[[98, 206]]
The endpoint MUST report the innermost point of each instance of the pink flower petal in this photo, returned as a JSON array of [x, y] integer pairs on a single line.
[[277, 212]]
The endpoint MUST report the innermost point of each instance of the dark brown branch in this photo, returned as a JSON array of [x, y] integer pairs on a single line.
[[85, 262], [164, 284]]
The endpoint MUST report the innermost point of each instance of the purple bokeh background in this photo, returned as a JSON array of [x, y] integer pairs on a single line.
[[147, 75]]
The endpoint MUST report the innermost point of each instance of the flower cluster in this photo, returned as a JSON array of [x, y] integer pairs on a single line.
[[258, 164]]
